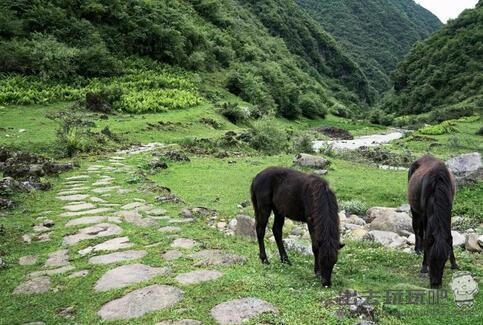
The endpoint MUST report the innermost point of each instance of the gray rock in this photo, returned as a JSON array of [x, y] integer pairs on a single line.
[[157, 212], [169, 229], [109, 245], [138, 206], [298, 247], [358, 233], [186, 213], [135, 218], [459, 240], [126, 275], [232, 225], [35, 285], [106, 189], [90, 220], [245, 227], [387, 219], [96, 231], [79, 274], [198, 276], [75, 197], [216, 257], [464, 164], [85, 212], [58, 258], [239, 311], [184, 243], [306, 160], [180, 322], [60, 270], [356, 220], [386, 238], [404, 208], [172, 255], [79, 207], [118, 257], [77, 178], [140, 302], [28, 260], [40, 228], [34, 323], [320, 172], [471, 243], [412, 240], [480, 240]]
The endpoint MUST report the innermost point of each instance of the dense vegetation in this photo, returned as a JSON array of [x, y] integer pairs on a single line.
[[443, 71], [376, 33], [270, 51]]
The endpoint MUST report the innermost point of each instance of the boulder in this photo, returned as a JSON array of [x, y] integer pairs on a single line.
[[298, 247], [458, 239], [386, 238], [356, 220], [472, 244], [388, 219], [465, 164], [245, 227], [358, 233], [306, 160]]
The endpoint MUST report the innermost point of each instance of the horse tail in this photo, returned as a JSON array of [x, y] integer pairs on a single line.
[[328, 221], [253, 196]]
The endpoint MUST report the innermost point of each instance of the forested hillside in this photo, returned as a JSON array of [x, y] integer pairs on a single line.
[[375, 33], [445, 70], [270, 52]]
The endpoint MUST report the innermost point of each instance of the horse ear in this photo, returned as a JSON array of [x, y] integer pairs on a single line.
[[341, 245]]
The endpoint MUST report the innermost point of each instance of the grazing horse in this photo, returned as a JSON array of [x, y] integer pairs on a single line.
[[431, 190], [299, 197]]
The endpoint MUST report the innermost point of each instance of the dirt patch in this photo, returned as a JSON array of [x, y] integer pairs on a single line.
[[335, 132]]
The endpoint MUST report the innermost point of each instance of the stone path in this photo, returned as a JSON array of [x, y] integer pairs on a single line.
[[94, 222]]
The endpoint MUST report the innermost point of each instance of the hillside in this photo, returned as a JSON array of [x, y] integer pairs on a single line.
[[375, 33], [442, 71], [269, 53]]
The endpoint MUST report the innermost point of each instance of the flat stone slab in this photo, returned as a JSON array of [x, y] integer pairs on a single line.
[[59, 270], [95, 231], [157, 212], [126, 275], [169, 229], [180, 322], [79, 274], [69, 192], [106, 189], [91, 220], [79, 207], [172, 255], [118, 257], [97, 199], [39, 284], [79, 177], [75, 197], [140, 302], [28, 260], [86, 212], [184, 243], [198, 276], [58, 258], [137, 206], [135, 218], [109, 245], [216, 257], [239, 311]]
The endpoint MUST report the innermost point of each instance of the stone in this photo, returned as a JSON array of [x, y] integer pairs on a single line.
[[198, 276], [186, 213], [459, 240], [97, 199], [239, 311], [216, 257], [126, 275], [464, 164], [180, 322], [412, 240], [169, 229], [320, 172], [404, 208], [86, 212], [106, 189], [135, 218], [69, 192], [75, 197], [43, 237], [298, 247], [306, 160], [480, 240], [172, 255], [28, 260], [184, 243], [49, 272], [40, 228], [76, 178], [48, 223], [109, 245], [135, 206], [140, 302], [356, 220], [67, 312], [245, 227], [34, 323], [91, 220], [35, 285], [58, 258], [118, 257], [471, 243], [386, 238], [79, 274], [79, 207], [358, 233], [95, 231], [157, 212], [387, 219]]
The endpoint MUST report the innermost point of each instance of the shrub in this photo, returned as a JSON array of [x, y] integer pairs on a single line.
[[378, 116], [303, 143], [354, 207], [312, 106], [340, 110], [268, 138], [439, 129], [234, 113]]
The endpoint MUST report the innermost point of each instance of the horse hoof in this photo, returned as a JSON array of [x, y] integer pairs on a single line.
[[286, 261], [265, 261], [418, 251], [455, 267], [424, 270]]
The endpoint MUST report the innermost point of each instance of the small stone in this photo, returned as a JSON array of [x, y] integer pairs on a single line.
[[126, 275], [172, 255], [186, 213], [157, 212], [97, 200], [79, 274], [109, 245], [48, 223], [221, 225], [27, 238], [28, 260], [39, 284], [85, 221], [298, 247], [198, 276], [43, 237], [387, 219], [79, 177], [118, 257], [306, 160], [106, 189], [140, 302], [356, 220], [40, 228], [184, 243], [96, 231], [480, 240], [239, 311], [169, 229], [57, 259]]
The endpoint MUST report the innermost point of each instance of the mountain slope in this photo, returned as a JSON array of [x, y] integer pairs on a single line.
[[375, 33], [68, 40], [444, 70]]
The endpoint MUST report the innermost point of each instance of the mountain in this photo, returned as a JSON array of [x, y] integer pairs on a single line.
[[270, 53], [375, 33], [444, 70]]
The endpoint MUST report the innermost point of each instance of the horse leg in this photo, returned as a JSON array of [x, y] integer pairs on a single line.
[[277, 234], [261, 220], [418, 231], [315, 250], [424, 265], [452, 259]]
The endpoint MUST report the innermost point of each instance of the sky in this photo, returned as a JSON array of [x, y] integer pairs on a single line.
[[447, 9]]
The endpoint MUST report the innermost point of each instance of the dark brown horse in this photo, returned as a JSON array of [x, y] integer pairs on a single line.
[[299, 197], [431, 190]]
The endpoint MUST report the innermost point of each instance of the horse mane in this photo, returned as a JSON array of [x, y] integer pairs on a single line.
[[325, 216]]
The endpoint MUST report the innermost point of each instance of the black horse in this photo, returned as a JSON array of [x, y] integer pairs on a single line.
[[431, 190], [300, 197]]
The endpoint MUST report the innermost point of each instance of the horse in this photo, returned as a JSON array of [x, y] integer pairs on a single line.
[[431, 190], [299, 197]]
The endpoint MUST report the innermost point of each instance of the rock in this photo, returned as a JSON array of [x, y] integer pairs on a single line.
[[184, 243], [458, 239], [58, 258], [118, 257], [358, 233], [239, 311], [480, 240], [232, 225], [186, 213], [216, 257], [386, 238], [298, 247], [306, 160], [136, 219], [86, 212], [140, 302], [203, 212], [126, 275], [387, 219], [79, 274], [75, 197], [169, 229], [464, 164], [35, 285], [96, 231], [471, 243], [298, 230], [180, 322], [404, 208], [320, 172], [79, 207], [78, 178], [335, 132], [34, 323], [157, 212], [59, 270], [356, 220], [40, 228], [106, 189], [412, 240], [245, 227], [67, 312], [89, 221], [221, 225], [198, 276], [27, 260], [138, 206], [172, 255], [109, 245], [48, 223]]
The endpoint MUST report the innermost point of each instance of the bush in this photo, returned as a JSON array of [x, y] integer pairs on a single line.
[[445, 127], [312, 106], [303, 143], [234, 113], [378, 116], [340, 110], [266, 137], [354, 207]]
